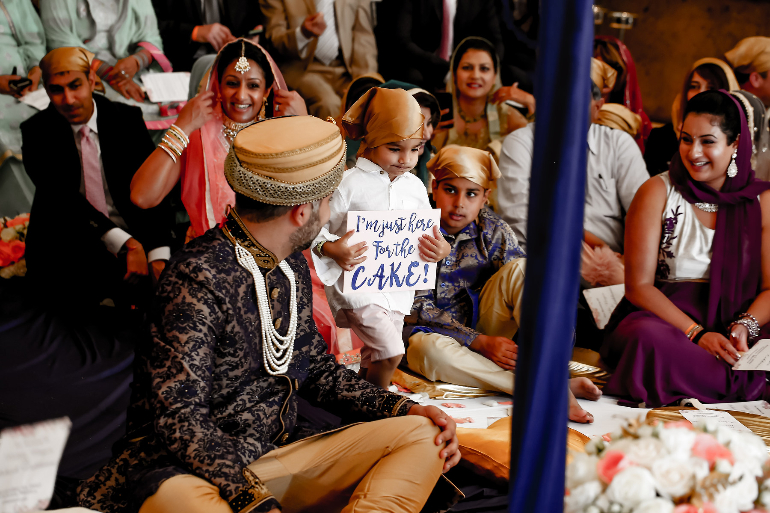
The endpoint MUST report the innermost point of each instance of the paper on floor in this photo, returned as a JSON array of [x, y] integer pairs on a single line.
[[721, 418], [475, 413], [608, 416], [756, 358], [29, 459], [167, 87], [755, 407]]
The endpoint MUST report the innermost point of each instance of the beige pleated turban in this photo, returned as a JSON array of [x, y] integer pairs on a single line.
[[750, 54], [454, 161], [383, 116], [286, 161]]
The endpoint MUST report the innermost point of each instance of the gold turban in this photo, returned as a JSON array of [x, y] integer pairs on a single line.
[[602, 74], [619, 116], [286, 161], [454, 161], [66, 58], [383, 116], [750, 54]]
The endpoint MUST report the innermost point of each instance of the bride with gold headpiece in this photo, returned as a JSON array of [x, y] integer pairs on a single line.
[[243, 86]]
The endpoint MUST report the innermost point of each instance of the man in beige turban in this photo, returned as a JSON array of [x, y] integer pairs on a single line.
[[234, 346], [750, 60], [81, 153]]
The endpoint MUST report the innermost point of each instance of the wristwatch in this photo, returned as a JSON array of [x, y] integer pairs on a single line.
[[319, 248]]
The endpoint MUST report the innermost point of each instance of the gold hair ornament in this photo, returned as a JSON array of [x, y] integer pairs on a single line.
[[242, 65]]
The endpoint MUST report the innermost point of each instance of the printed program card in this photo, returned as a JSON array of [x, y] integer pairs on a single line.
[[602, 301], [167, 87], [756, 358], [29, 459], [393, 259], [756, 407], [36, 99], [721, 418]]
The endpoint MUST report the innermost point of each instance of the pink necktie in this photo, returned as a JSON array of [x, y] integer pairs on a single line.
[[92, 171], [443, 49]]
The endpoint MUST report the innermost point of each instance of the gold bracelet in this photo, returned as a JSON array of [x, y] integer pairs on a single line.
[[179, 133], [178, 149], [170, 154], [694, 331]]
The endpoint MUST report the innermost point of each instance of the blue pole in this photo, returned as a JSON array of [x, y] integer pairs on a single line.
[[554, 233]]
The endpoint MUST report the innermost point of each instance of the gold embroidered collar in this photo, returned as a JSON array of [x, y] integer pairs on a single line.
[[237, 233]]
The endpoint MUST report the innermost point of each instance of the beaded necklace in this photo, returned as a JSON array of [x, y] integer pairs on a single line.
[[277, 350]]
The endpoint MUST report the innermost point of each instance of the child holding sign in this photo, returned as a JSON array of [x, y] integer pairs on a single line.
[[390, 124], [462, 331]]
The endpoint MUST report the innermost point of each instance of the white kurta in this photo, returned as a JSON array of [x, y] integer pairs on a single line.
[[366, 187]]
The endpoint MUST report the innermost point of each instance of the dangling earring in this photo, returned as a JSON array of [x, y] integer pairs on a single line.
[[261, 115], [732, 169]]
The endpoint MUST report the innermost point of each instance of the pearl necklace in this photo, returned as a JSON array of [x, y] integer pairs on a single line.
[[707, 207], [277, 350]]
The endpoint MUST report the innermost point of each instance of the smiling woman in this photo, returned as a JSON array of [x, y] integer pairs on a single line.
[[243, 86], [481, 116], [697, 268]]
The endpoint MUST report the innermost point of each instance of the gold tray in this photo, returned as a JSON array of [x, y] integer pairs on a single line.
[[438, 389], [758, 424], [582, 370]]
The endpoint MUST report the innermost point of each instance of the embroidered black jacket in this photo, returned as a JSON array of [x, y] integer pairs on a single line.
[[203, 403]]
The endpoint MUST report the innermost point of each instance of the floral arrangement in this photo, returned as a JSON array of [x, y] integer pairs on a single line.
[[670, 468], [13, 232]]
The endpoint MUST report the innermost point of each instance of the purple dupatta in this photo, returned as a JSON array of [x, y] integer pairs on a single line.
[[735, 276]]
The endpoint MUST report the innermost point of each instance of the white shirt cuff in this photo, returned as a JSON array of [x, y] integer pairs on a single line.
[[325, 267], [114, 240], [161, 253], [302, 43]]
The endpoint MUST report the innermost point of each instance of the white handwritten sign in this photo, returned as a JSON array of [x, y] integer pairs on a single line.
[[393, 259], [602, 301]]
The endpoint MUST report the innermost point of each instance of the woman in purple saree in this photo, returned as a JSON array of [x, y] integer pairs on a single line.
[[697, 269]]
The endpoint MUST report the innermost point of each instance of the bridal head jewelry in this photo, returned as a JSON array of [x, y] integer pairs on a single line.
[[242, 66], [732, 169]]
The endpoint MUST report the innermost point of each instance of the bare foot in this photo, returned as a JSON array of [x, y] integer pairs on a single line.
[[576, 413], [584, 389]]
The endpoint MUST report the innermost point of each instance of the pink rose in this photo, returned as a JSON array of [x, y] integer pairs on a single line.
[[708, 448], [679, 424], [689, 508], [611, 464], [19, 219], [17, 250], [6, 254]]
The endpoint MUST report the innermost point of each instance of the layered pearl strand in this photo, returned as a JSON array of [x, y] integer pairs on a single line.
[[277, 350]]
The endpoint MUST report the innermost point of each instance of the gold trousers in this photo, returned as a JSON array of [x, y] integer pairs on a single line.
[[388, 465], [442, 358]]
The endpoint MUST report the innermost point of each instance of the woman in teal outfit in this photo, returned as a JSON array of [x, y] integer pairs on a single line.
[[22, 45], [122, 34]]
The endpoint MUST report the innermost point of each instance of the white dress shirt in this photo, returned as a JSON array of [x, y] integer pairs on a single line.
[[116, 237], [366, 187], [302, 41], [615, 172]]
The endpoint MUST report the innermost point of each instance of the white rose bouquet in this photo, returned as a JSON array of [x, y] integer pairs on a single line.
[[670, 467]]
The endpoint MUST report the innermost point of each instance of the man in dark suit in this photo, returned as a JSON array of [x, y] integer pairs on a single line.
[[87, 242], [415, 48], [193, 28]]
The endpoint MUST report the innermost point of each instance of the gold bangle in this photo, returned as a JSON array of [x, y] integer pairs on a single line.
[[170, 154], [173, 145], [694, 331], [180, 134]]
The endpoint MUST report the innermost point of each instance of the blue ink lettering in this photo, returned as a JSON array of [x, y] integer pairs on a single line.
[[355, 276], [410, 274]]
